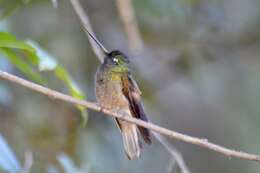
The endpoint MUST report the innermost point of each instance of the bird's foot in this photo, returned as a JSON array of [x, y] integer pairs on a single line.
[[121, 112]]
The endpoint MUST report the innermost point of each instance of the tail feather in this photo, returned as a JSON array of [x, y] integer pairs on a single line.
[[131, 141]]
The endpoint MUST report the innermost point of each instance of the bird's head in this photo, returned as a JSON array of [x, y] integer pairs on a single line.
[[117, 61]]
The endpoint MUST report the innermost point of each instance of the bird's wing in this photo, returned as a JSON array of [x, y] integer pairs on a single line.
[[133, 95]]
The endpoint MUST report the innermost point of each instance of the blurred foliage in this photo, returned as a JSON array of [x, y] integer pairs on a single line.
[[40, 58], [7, 43], [199, 74], [8, 160], [68, 165], [46, 62], [8, 7], [10, 163]]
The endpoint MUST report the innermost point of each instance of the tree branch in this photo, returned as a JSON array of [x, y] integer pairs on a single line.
[[174, 152], [87, 26], [166, 132], [127, 16]]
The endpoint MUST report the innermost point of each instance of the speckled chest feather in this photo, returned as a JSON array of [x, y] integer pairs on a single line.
[[108, 87]]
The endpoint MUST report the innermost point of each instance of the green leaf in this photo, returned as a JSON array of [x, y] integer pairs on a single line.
[[9, 41], [8, 160], [26, 1], [8, 7], [16, 45], [44, 61], [6, 36], [64, 76], [21, 65], [73, 89], [47, 62]]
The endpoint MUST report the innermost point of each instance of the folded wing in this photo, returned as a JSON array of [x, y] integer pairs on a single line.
[[133, 95]]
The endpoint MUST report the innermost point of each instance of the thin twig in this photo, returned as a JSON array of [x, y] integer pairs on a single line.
[[166, 132], [174, 152], [87, 27], [28, 162], [171, 167], [127, 16]]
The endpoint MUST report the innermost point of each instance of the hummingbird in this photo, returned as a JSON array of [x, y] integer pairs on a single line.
[[116, 90]]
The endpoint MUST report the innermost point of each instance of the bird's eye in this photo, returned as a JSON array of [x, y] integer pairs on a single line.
[[115, 61]]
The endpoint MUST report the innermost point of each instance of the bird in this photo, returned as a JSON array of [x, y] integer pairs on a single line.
[[116, 90]]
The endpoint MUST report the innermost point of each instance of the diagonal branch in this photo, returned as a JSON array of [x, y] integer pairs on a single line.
[[166, 132], [87, 28], [127, 16], [174, 152]]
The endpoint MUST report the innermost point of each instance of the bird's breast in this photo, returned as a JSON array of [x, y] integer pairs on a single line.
[[109, 92]]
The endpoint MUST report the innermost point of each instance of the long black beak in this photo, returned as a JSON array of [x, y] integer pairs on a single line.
[[98, 43]]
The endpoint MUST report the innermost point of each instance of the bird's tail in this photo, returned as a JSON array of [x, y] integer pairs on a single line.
[[130, 140]]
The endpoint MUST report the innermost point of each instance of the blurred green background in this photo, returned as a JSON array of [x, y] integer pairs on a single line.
[[199, 74]]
